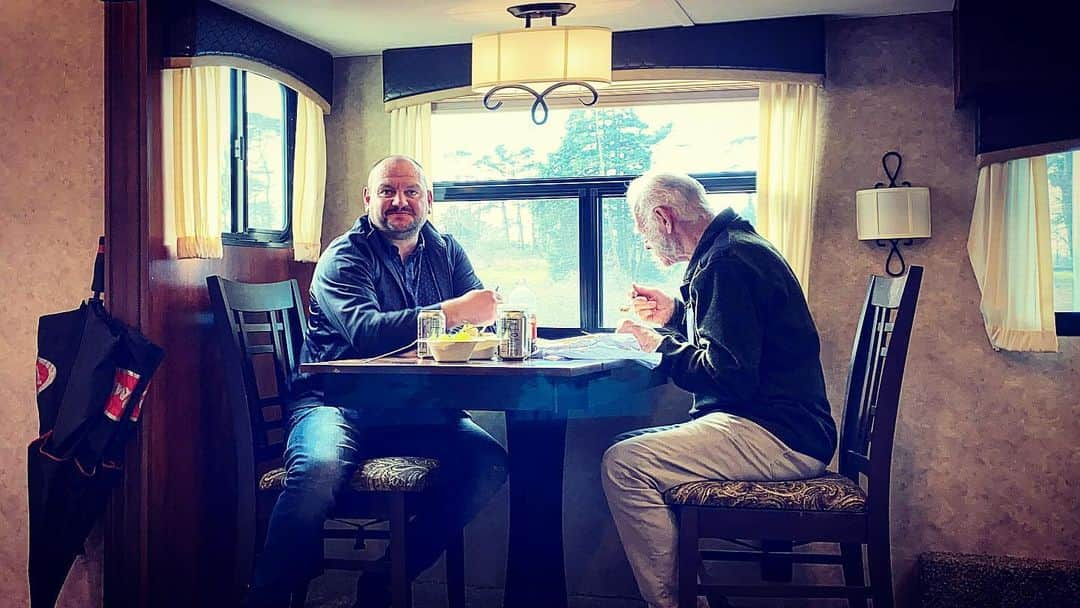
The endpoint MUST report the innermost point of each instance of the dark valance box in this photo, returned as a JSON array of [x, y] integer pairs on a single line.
[[202, 29], [795, 44]]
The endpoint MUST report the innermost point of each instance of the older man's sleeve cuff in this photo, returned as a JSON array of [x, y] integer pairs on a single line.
[[670, 344], [678, 317]]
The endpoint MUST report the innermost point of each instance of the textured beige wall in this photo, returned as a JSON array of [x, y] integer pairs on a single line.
[[51, 212], [986, 458], [357, 135]]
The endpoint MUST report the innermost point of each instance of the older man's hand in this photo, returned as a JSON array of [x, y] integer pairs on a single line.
[[647, 337], [476, 307], [651, 305]]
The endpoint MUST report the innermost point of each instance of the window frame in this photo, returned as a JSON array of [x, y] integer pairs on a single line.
[[1067, 323], [590, 192], [239, 233]]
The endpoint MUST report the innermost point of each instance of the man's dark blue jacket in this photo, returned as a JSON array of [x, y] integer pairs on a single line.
[[359, 304]]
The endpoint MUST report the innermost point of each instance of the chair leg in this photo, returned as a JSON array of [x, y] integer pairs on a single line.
[[714, 600], [400, 585], [689, 558], [776, 568], [299, 596], [851, 555], [455, 571], [879, 560]]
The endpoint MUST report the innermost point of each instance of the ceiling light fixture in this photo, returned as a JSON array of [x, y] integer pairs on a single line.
[[546, 58]]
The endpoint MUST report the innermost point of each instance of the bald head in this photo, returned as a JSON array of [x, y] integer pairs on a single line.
[[397, 197], [394, 162]]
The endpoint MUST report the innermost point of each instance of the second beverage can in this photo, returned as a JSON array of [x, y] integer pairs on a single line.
[[515, 334]]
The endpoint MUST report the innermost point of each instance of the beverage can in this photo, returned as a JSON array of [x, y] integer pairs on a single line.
[[515, 334], [429, 324]]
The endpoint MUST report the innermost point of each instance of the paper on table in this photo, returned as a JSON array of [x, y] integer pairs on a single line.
[[598, 347]]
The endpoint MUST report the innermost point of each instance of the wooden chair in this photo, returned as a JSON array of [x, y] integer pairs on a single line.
[[261, 329], [832, 508]]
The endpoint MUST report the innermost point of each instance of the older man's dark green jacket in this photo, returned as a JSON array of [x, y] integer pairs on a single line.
[[754, 351]]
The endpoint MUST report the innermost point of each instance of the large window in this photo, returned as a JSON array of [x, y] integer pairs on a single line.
[[1063, 171], [544, 207], [261, 131]]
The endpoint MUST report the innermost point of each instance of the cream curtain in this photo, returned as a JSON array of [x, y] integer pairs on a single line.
[[410, 133], [195, 148], [787, 140], [1009, 248], [309, 180]]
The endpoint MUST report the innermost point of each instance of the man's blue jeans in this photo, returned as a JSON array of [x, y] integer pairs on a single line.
[[324, 448]]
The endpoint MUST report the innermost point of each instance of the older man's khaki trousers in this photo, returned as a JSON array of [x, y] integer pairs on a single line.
[[640, 468]]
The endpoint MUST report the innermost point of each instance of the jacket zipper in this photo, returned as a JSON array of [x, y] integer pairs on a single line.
[[397, 279]]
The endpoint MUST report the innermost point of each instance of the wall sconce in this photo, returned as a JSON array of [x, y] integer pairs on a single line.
[[893, 213], [546, 57]]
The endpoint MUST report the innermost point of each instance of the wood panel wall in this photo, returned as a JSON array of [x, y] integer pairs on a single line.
[[189, 441], [165, 536]]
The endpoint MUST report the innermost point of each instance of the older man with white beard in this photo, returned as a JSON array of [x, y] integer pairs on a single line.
[[741, 339]]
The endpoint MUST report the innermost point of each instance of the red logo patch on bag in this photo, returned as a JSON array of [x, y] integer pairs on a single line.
[[135, 411], [123, 385], [46, 373]]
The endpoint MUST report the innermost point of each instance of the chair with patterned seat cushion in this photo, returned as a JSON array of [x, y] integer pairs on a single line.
[[385, 474], [777, 516], [830, 492], [261, 329]]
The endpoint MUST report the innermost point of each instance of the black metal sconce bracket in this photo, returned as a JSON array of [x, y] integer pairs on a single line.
[[894, 251], [892, 175], [893, 244]]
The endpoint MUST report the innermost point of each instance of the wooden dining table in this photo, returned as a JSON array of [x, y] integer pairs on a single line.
[[538, 397]]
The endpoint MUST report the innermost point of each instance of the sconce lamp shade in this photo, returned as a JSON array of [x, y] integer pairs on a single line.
[[893, 213], [542, 56]]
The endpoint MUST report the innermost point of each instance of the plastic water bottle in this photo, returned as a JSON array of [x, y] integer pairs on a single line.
[[523, 297]]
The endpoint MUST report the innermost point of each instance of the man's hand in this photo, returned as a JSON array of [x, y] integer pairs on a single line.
[[651, 304], [647, 338], [476, 307]]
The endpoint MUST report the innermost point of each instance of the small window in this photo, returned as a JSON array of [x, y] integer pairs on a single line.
[[1063, 172], [262, 135]]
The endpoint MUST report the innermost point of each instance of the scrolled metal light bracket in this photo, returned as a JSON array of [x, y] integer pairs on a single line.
[[539, 99]]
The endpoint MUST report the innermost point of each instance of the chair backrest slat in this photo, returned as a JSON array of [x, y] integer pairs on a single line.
[[261, 326], [875, 379], [291, 345]]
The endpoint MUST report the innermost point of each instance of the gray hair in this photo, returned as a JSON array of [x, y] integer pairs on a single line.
[[396, 157], [656, 188]]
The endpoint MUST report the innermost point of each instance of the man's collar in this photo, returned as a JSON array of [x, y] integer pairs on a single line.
[[717, 227], [390, 247]]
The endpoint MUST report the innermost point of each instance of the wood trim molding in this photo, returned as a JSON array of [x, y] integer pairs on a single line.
[[125, 581]]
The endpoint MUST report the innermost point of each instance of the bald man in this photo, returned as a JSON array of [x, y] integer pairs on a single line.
[[368, 288]]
